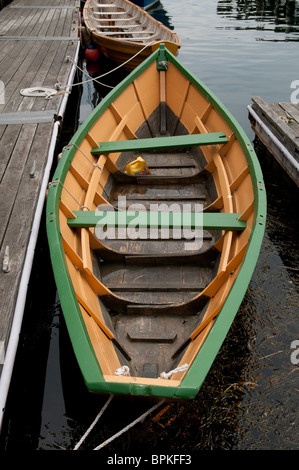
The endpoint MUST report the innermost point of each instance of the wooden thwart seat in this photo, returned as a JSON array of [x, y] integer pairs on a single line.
[[102, 13], [160, 143], [206, 220], [119, 35]]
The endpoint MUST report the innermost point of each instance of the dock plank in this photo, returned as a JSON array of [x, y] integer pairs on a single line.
[[292, 110], [8, 139], [19, 75], [277, 126], [10, 183], [36, 38], [274, 115]]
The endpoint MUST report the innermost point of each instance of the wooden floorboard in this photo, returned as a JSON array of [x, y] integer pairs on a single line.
[[36, 38]]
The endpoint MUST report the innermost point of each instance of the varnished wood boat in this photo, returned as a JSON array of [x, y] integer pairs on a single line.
[[155, 304], [121, 30]]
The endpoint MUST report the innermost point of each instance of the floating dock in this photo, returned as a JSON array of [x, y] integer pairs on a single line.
[[277, 127], [36, 39]]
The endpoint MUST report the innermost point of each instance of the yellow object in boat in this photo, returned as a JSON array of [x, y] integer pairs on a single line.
[[137, 167]]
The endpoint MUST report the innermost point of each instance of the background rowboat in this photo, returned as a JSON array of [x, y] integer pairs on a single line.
[[121, 30], [158, 307]]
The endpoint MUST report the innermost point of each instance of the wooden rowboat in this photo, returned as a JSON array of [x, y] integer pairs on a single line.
[[140, 293], [121, 30]]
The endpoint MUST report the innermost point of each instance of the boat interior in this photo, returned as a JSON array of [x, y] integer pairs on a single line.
[[149, 296], [123, 20]]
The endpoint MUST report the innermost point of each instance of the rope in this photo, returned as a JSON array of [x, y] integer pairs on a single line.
[[141, 418], [167, 375], [95, 165], [78, 148], [59, 182], [164, 64], [93, 424], [104, 74], [124, 370], [87, 75]]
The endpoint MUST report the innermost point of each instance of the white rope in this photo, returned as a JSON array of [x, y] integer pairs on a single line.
[[93, 424], [104, 74], [96, 79], [141, 418], [167, 375], [124, 370]]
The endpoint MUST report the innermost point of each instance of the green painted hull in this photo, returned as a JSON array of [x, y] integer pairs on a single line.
[[82, 346]]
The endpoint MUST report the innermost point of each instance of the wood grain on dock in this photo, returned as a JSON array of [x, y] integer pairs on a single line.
[[277, 126], [36, 37]]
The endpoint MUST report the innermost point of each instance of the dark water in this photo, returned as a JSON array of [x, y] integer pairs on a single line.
[[249, 400]]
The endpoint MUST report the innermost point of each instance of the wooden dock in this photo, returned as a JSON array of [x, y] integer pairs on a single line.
[[36, 37], [277, 126]]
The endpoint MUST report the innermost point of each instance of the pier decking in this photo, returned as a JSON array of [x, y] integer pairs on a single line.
[[277, 126], [36, 37]]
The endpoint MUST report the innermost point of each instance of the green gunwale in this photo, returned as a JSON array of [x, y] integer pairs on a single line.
[[82, 346]]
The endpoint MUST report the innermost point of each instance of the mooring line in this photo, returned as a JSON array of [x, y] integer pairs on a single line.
[[96, 79], [141, 418], [93, 424], [126, 428]]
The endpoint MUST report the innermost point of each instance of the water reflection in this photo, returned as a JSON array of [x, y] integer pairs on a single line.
[[160, 14], [99, 78], [276, 15]]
